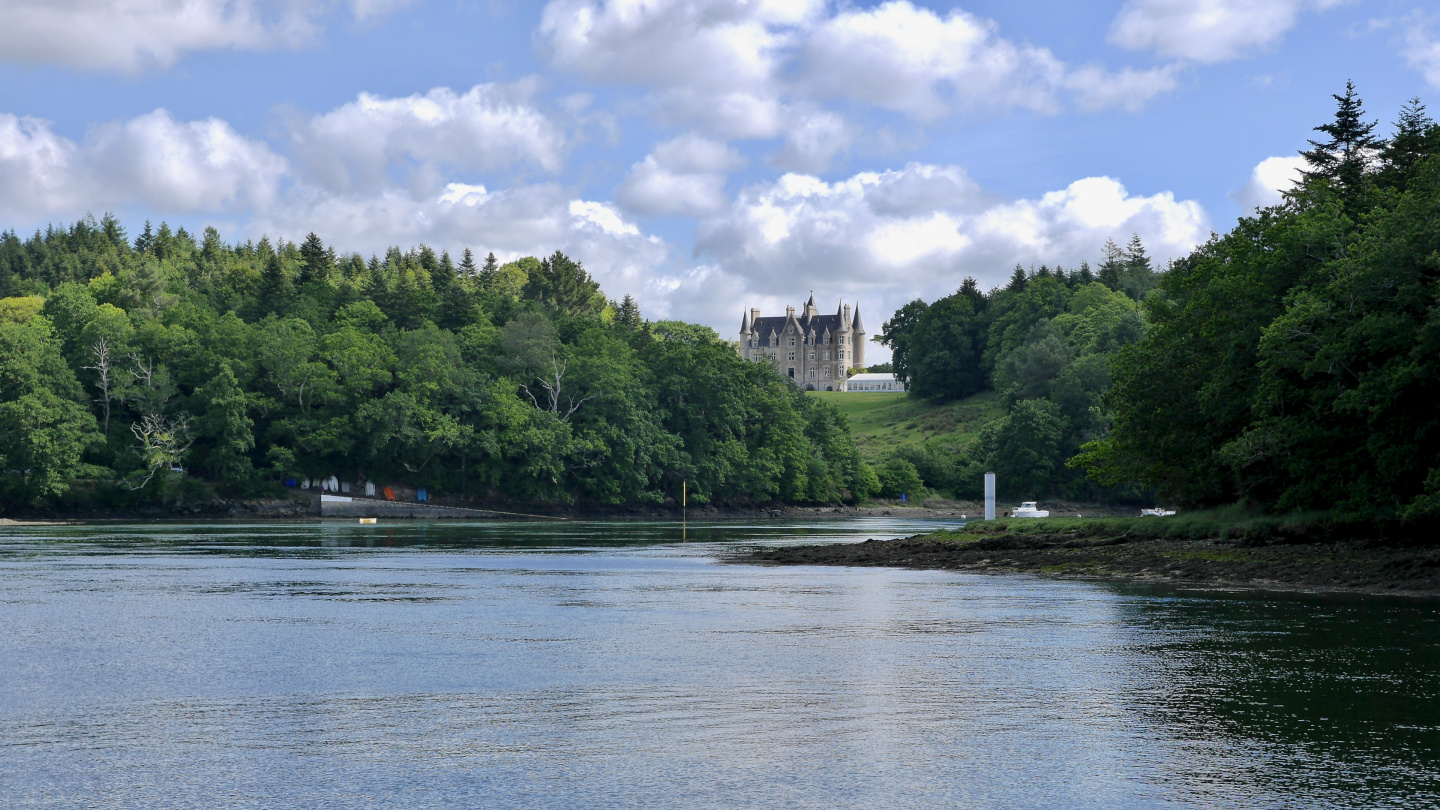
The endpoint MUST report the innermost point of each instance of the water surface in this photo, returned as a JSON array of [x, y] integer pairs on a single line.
[[594, 665]]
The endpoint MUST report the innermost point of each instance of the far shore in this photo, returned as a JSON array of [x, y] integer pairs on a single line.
[[303, 507]]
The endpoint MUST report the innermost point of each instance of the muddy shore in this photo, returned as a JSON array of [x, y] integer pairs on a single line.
[[1356, 566]]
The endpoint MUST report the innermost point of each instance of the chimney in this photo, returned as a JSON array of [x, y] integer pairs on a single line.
[[789, 312], [754, 315]]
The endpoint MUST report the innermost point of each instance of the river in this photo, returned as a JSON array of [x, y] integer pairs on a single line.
[[627, 665]]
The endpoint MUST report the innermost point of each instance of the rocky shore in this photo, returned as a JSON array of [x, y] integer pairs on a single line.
[[1298, 561]]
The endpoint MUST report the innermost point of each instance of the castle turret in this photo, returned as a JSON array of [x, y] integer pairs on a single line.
[[857, 340], [745, 326]]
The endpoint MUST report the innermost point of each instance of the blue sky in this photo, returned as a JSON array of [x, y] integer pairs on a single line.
[[703, 156]]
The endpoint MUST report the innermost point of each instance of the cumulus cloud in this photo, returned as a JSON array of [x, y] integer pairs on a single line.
[[152, 160], [682, 176], [756, 69], [133, 35], [1422, 48], [1207, 30], [887, 237], [910, 59], [489, 126], [1268, 181]]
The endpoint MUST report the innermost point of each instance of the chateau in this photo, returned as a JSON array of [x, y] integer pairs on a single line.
[[814, 350]]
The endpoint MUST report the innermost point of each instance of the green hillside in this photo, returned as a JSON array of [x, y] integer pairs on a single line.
[[881, 421]]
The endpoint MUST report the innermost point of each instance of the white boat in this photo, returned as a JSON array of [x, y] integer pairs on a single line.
[[1027, 509], [1156, 512]]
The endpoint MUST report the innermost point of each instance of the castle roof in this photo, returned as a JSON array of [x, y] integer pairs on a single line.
[[857, 325], [745, 324], [817, 323]]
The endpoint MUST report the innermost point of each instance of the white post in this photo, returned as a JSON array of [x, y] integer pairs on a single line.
[[989, 496]]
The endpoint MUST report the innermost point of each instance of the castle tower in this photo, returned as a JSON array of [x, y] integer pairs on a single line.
[[857, 340]]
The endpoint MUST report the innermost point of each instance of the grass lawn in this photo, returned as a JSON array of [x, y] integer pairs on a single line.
[[883, 421]]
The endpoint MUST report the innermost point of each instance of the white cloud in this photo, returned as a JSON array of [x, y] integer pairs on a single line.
[[1270, 178], [1207, 30], [152, 160], [133, 35], [683, 176], [812, 142], [887, 237], [758, 69], [490, 126], [910, 59], [1422, 50]]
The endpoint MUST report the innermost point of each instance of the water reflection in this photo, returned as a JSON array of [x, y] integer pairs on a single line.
[[600, 664]]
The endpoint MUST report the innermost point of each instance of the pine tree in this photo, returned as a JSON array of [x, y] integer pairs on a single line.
[[492, 266], [1347, 155], [146, 240], [1139, 274], [1085, 276], [467, 264], [1017, 279], [628, 313], [274, 287], [1416, 135], [1112, 269], [315, 259]]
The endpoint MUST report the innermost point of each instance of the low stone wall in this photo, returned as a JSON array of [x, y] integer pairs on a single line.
[[373, 507]]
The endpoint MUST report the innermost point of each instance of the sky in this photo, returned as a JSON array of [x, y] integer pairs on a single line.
[[706, 156]]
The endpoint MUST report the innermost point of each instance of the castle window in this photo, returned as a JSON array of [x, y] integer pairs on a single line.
[[827, 354], [790, 341], [812, 355], [791, 357]]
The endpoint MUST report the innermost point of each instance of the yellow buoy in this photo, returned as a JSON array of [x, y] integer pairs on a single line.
[[367, 520]]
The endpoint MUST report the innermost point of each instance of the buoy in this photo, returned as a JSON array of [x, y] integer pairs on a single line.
[[367, 520]]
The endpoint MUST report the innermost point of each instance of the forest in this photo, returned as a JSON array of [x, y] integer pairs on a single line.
[[179, 367], [1292, 363]]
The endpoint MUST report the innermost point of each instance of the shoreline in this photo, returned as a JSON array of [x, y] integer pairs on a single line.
[[1318, 566], [306, 508]]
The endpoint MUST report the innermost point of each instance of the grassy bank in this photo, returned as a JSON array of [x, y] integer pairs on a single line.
[[881, 422], [1224, 548]]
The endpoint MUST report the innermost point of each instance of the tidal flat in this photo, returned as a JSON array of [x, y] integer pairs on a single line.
[[1263, 554]]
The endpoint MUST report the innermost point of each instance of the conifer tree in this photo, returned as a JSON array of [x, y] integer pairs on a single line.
[[1346, 157], [1416, 135], [315, 260], [146, 240], [467, 264], [628, 313], [1017, 279], [274, 287], [1112, 269]]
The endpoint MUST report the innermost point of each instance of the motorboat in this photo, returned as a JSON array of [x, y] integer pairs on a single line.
[[1027, 509], [1156, 512]]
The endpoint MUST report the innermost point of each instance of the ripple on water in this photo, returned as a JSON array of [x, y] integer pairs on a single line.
[[605, 665]]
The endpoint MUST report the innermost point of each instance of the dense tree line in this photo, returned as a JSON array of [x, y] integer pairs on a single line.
[[1043, 344], [145, 367], [1294, 362]]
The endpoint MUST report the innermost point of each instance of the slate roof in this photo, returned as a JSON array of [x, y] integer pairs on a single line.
[[776, 323]]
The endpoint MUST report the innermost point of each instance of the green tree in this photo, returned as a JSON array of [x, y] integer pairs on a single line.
[[1346, 157], [561, 284]]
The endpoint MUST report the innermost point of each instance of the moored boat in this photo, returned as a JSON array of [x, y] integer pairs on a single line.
[[1028, 510]]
